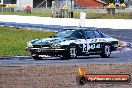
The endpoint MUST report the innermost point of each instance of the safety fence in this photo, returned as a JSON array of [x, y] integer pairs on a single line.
[[63, 12]]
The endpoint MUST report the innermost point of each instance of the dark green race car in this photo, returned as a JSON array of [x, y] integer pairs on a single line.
[[70, 43]]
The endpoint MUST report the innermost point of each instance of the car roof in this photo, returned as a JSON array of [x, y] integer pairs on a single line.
[[78, 28]]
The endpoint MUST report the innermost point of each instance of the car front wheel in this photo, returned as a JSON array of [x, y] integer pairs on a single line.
[[106, 52]]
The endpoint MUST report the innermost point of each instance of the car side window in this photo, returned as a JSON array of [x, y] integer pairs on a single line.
[[104, 35], [90, 34], [97, 34], [78, 34]]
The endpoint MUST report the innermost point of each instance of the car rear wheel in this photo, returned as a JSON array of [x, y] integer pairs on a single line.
[[71, 52], [106, 52]]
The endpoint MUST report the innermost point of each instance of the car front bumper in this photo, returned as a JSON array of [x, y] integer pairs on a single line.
[[46, 51]]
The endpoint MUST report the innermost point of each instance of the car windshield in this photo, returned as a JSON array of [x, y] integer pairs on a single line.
[[64, 33]]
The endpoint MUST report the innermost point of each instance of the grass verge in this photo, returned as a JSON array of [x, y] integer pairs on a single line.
[[13, 41]]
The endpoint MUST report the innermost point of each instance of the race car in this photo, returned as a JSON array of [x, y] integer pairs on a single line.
[[72, 42]]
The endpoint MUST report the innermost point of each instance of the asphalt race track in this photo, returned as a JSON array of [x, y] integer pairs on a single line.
[[119, 57]]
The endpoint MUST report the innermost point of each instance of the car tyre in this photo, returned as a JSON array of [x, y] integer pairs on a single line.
[[106, 52]]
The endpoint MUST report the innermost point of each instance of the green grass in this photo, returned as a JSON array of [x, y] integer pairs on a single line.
[[13, 41], [36, 12], [109, 16], [41, 14], [93, 14]]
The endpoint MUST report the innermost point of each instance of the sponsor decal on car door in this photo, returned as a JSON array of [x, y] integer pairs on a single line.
[[91, 44]]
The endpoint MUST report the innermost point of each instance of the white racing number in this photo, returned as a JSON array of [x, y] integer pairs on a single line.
[[87, 47]]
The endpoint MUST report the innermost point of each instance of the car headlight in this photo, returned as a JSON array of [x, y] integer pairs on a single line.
[[29, 44], [56, 45]]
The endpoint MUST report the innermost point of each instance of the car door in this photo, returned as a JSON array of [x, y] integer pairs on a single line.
[[92, 44]]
